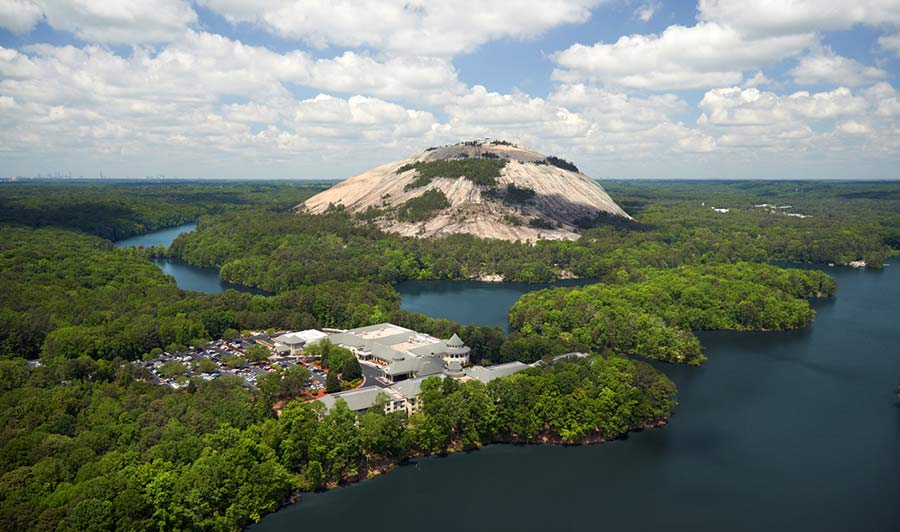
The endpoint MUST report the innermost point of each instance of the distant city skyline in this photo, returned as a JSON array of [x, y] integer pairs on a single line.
[[273, 89]]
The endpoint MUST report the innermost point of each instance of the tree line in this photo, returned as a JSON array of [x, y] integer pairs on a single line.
[[653, 312], [122, 209], [278, 251], [65, 295], [103, 450]]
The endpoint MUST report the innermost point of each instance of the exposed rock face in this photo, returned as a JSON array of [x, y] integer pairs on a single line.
[[562, 197]]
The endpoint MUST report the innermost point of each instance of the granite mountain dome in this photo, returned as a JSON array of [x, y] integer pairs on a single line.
[[491, 189]]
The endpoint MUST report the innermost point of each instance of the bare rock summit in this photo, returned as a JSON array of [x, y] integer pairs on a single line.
[[491, 189]]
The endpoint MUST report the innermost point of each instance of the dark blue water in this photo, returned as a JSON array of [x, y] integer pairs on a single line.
[[162, 237], [470, 301], [793, 431], [190, 277], [187, 276]]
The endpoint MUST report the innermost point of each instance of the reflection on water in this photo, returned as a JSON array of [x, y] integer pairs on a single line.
[[470, 301], [162, 237], [187, 276], [795, 430]]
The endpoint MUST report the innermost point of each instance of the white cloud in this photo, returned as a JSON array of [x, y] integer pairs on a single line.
[[577, 121], [119, 21], [617, 111], [417, 27], [93, 102], [203, 66], [885, 99], [359, 117], [822, 123], [752, 107], [250, 113], [824, 65], [758, 80], [482, 106], [428, 79], [180, 100], [646, 11], [217, 107], [777, 17], [705, 55], [890, 42], [852, 127], [20, 16]]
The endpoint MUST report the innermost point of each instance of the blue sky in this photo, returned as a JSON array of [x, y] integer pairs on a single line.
[[328, 88]]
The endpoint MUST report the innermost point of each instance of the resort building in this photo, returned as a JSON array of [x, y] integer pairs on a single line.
[[486, 374], [362, 399], [403, 396], [407, 358], [293, 343], [409, 391], [402, 353]]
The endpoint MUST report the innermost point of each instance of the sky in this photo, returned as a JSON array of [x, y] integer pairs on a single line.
[[325, 89]]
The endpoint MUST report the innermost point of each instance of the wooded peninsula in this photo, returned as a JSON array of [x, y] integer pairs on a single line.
[[87, 443]]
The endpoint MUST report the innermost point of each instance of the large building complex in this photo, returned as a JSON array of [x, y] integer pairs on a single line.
[[405, 395], [406, 358], [292, 343], [403, 353]]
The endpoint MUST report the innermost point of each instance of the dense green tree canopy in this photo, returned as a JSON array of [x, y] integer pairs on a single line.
[[66, 294], [119, 210], [675, 226], [653, 313], [86, 442], [107, 451]]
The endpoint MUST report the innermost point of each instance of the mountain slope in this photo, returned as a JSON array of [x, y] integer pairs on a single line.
[[489, 189]]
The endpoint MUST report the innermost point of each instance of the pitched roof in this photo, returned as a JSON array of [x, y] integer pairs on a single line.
[[357, 400], [421, 366], [410, 388], [436, 348], [486, 374]]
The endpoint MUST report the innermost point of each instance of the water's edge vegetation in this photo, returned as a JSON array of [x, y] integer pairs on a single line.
[[86, 442]]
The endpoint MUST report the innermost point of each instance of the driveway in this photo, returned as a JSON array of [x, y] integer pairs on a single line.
[[372, 373]]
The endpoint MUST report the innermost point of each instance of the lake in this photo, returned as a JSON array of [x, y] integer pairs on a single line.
[[161, 237], [455, 300], [794, 431], [187, 276], [470, 301]]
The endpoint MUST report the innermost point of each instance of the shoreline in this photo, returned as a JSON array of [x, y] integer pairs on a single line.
[[383, 467]]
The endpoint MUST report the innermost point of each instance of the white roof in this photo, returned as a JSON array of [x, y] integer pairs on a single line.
[[307, 336]]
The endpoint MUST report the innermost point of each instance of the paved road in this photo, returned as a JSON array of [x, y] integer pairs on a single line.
[[372, 373]]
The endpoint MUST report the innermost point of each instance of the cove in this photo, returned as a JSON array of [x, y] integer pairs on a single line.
[[161, 237], [187, 276], [465, 302], [796, 430]]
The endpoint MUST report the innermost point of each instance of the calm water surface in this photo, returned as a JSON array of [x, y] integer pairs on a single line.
[[793, 431], [162, 237], [470, 301], [187, 276]]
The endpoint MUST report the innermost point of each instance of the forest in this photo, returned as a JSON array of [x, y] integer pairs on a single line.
[[271, 250], [653, 313], [66, 294], [87, 444], [110, 451], [117, 210], [482, 172]]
